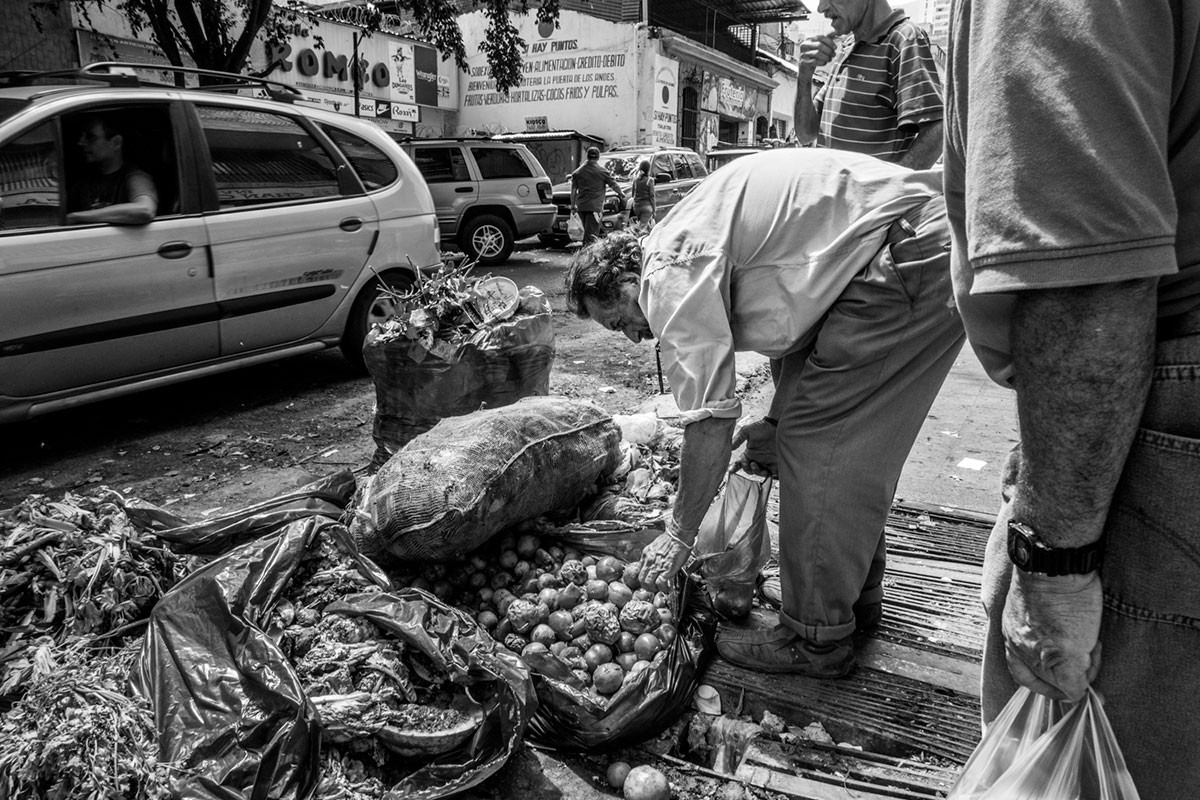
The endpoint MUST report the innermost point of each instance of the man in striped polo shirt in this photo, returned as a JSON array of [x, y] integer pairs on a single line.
[[883, 97]]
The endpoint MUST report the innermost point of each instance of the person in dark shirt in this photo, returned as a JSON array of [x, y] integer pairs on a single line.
[[113, 191], [587, 193], [642, 190]]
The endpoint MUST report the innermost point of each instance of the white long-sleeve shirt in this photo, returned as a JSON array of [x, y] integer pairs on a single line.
[[753, 257]]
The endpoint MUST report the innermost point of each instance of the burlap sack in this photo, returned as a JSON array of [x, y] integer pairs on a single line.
[[414, 388], [453, 487]]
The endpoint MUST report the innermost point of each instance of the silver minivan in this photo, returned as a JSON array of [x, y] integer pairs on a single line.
[[275, 224]]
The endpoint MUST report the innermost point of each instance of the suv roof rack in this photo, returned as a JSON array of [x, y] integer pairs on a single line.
[[121, 73], [406, 139]]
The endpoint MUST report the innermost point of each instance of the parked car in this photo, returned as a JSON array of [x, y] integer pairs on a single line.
[[276, 224], [676, 172], [488, 194]]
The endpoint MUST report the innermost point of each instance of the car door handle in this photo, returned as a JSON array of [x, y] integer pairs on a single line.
[[350, 224], [175, 250], [464, 189]]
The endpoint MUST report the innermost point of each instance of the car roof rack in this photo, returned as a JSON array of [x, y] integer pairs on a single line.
[[122, 73], [480, 138]]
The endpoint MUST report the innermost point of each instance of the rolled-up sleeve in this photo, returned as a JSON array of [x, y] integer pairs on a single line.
[[686, 302]]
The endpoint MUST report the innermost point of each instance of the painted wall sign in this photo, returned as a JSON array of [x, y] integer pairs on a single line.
[[666, 101]]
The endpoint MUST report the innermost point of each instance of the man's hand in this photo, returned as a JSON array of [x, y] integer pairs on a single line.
[[760, 456], [1051, 632], [816, 51], [665, 556]]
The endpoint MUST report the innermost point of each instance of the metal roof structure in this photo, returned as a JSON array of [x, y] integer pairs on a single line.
[[746, 12]]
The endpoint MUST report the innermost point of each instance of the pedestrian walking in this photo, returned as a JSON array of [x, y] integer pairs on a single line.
[[587, 193]]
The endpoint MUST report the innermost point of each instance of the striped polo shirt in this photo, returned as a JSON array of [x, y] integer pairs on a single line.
[[880, 91]]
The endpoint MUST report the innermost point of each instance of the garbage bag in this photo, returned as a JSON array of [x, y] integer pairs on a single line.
[[568, 718], [325, 497], [230, 710], [733, 544], [415, 387], [451, 489], [1043, 749], [575, 227]]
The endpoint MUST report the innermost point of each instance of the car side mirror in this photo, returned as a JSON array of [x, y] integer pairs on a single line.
[[662, 177]]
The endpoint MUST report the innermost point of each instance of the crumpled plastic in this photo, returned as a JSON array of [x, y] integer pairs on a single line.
[[733, 544], [1043, 749], [568, 718], [228, 707]]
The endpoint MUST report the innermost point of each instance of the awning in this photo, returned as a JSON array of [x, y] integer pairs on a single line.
[[746, 12]]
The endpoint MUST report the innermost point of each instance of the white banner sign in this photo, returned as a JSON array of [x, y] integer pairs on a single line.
[[666, 101]]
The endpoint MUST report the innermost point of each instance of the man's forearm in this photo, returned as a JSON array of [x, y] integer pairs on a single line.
[[806, 117], [702, 465], [926, 148], [1083, 358]]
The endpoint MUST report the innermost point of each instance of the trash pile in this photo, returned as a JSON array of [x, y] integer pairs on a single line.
[[264, 651], [77, 582]]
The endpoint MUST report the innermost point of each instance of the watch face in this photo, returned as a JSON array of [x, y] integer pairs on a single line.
[[1019, 552]]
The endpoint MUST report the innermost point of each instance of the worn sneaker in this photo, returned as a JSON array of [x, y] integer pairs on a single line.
[[780, 649], [866, 615]]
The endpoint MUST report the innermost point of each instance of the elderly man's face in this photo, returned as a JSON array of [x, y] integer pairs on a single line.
[[843, 15], [624, 315]]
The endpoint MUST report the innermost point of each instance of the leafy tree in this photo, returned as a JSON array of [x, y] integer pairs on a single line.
[[218, 34]]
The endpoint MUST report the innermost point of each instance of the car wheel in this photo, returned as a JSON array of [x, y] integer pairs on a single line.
[[487, 239], [371, 306]]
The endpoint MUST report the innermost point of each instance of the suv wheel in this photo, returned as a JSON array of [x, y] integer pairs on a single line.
[[372, 305], [487, 239]]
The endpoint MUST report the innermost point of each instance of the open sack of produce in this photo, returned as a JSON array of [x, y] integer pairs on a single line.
[[457, 343], [454, 487], [613, 663], [288, 668]]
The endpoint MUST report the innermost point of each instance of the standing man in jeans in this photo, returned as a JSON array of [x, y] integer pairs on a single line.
[[587, 193], [884, 96], [1073, 185]]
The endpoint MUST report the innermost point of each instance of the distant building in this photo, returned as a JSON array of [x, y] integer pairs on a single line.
[[937, 22]]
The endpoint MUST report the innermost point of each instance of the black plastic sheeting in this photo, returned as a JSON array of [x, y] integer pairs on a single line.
[[568, 718], [228, 707]]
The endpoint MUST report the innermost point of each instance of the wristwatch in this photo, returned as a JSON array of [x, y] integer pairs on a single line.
[[1028, 552]]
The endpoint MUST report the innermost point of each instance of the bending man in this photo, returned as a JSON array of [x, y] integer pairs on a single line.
[[835, 265]]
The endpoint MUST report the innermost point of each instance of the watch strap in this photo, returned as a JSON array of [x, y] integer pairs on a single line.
[[1028, 552]]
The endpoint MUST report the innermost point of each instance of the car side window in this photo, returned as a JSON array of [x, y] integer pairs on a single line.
[[29, 180], [500, 162], [259, 157], [662, 163], [374, 167], [441, 164], [683, 170], [698, 168]]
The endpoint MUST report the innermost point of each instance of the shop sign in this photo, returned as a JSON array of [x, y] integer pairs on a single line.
[[665, 127], [536, 124], [735, 99]]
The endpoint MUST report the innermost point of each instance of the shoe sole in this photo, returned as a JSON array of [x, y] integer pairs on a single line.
[[841, 670]]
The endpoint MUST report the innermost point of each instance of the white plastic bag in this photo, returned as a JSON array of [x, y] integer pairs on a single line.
[[733, 544], [575, 227], [1043, 749]]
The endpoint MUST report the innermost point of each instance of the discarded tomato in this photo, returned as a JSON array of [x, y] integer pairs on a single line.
[[597, 654], [619, 594], [608, 569], [607, 678], [646, 646], [616, 774], [646, 783]]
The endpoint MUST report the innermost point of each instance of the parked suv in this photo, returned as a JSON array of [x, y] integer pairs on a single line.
[[676, 171], [276, 223], [488, 194]]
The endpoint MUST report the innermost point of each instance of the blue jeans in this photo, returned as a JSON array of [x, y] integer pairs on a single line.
[[1150, 633]]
